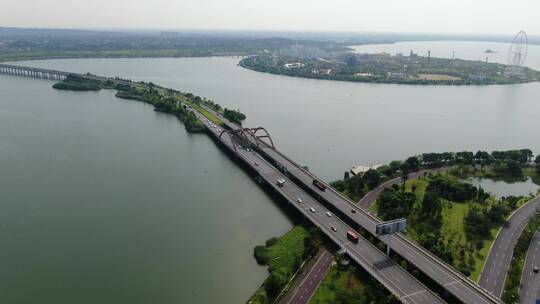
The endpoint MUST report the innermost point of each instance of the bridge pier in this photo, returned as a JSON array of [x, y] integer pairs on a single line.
[[32, 72]]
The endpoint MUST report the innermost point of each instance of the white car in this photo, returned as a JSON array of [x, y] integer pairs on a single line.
[[312, 209], [333, 228], [329, 214], [299, 200]]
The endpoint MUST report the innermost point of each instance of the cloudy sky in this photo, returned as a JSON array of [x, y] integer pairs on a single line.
[[450, 16]]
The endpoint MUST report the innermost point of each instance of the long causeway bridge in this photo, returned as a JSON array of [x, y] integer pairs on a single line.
[[22, 71], [254, 149]]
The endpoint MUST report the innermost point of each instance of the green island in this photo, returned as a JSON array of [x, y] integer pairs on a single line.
[[386, 68], [164, 100]]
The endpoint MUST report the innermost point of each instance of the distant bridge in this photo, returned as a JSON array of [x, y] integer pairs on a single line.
[[15, 70]]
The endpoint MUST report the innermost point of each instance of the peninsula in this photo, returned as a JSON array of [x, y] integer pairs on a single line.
[[386, 68]]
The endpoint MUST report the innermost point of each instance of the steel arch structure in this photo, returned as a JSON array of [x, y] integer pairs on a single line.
[[249, 136]]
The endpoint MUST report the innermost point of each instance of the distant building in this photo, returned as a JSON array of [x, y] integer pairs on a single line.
[[169, 35], [293, 65], [397, 75], [361, 170], [477, 77]]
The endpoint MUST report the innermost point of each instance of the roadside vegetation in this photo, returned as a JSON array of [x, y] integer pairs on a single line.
[[284, 256], [453, 219], [513, 279], [77, 83], [351, 285], [515, 164], [164, 100], [234, 115]]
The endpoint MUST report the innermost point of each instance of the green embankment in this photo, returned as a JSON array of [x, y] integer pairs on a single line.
[[163, 100], [283, 257], [339, 284]]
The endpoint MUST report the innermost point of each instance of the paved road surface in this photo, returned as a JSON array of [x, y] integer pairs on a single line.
[[530, 281], [311, 280], [500, 256], [396, 279], [302, 293], [453, 281]]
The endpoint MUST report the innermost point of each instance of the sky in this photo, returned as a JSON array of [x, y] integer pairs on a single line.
[[425, 16]]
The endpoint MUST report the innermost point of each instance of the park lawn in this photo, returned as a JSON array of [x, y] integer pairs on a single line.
[[283, 254], [483, 254], [421, 185], [335, 281], [288, 249], [453, 228]]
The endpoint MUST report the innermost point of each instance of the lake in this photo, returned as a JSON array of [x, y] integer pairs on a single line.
[[105, 200], [330, 126], [501, 187]]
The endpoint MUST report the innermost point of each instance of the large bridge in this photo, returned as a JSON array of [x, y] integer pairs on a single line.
[[32, 72], [451, 280], [258, 153]]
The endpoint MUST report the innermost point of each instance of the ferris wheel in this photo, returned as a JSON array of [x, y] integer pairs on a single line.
[[518, 50]]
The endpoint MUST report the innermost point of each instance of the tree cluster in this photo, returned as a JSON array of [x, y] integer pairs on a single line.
[[356, 186], [394, 203], [234, 115]]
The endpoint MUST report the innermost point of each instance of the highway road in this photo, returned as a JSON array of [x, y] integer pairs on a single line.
[[450, 279], [396, 279], [445, 275], [385, 270], [371, 197], [304, 290], [302, 293], [530, 281], [502, 250]]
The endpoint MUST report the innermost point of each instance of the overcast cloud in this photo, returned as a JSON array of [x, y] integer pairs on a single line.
[[449, 16]]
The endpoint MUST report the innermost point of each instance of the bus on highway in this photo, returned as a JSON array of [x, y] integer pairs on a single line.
[[352, 237]]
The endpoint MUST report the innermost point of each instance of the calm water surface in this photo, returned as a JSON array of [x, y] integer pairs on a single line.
[[330, 126], [501, 188], [106, 201]]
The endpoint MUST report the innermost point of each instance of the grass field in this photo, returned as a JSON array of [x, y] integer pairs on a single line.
[[337, 281], [453, 228], [285, 254]]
